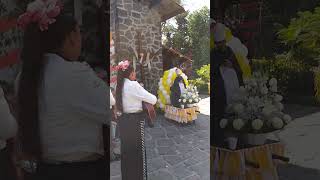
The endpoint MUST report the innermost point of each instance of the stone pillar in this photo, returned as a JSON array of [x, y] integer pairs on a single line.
[[133, 17]]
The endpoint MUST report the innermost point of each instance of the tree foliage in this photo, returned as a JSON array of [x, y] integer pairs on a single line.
[[190, 34], [302, 36]]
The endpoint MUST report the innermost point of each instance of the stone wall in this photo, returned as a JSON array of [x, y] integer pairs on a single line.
[[11, 39], [131, 17]]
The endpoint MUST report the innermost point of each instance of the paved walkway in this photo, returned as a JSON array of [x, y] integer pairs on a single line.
[[175, 151], [302, 142]]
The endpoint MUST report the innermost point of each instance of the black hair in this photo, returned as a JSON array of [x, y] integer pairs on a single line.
[[120, 82], [35, 44]]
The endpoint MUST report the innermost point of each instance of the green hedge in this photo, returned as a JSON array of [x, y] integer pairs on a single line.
[[203, 78], [293, 77]]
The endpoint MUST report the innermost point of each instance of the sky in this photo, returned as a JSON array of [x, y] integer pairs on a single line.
[[193, 5]]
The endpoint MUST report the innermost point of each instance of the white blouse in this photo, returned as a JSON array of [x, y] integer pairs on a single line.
[[132, 96], [73, 106], [8, 125]]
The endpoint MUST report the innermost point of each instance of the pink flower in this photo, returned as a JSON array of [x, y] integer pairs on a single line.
[[42, 12], [123, 65]]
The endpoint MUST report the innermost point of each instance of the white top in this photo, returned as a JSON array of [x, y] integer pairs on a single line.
[[231, 82], [112, 100], [132, 96], [73, 106], [182, 87], [8, 125]]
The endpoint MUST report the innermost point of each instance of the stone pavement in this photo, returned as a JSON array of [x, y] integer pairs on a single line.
[[177, 151], [302, 142]]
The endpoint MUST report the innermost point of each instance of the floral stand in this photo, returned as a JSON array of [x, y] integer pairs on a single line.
[[254, 163], [180, 115]]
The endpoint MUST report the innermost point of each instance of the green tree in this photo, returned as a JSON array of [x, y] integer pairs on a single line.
[[302, 37], [190, 34], [199, 33], [180, 38]]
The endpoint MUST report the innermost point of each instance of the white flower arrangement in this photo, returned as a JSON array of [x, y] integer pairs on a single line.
[[257, 108], [190, 96]]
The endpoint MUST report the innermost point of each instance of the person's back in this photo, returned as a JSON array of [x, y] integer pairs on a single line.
[[71, 123]]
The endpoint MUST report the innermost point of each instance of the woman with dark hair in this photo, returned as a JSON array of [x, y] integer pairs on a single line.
[[8, 130], [129, 97], [62, 103]]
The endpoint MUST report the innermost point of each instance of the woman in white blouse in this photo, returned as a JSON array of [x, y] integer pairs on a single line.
[[129, 97], [63, 105], [8, 129]]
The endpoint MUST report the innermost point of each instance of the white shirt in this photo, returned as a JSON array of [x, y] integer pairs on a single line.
[[112, 100], [133, 94], [73, 106], [8, 125], [182, 87], [231, 82]]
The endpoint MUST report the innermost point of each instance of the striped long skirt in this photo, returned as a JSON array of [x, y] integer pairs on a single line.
[[133, 154]]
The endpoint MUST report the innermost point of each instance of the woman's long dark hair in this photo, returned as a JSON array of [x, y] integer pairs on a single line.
[[35, 44], [120, 82]]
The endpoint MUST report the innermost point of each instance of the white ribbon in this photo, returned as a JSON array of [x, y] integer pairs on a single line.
[[148, 61]]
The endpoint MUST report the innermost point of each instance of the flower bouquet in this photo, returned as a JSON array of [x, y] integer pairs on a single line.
[[190, 97], [256, 108]]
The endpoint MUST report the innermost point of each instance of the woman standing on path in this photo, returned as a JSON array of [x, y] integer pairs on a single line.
[[62, 103], [129, 97]]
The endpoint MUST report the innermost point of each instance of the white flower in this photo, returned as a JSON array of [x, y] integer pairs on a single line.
[[223, 123], [277, 123], [254, 84], [257, 124], [190, 100], [238, 108], [268, 109], [238, 124], [264, 90], [184, 100], [278, 98], [184, 95], [179, 100], [251, 100], [279, 106], [273, 81], [274, 88], [287, 118], [194, 96]]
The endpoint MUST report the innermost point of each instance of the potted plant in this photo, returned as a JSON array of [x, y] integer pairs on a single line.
[[256, 110], [190, 97]]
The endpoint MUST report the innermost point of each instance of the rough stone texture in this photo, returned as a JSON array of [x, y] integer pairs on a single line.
[[127, 18], [11, 39]]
